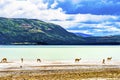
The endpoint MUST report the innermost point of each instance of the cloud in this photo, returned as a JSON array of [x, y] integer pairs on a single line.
[[78, 19], [99, 29], [40, 4], [57, 11], [81, 31], [95, 24], [54, 4], [31, 9]]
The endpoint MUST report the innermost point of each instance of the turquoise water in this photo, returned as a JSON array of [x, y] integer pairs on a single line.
[[60, 52]]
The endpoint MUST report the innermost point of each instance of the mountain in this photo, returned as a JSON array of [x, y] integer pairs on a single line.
[[83, 35], [22, 31], [33, 31], [103, 40]]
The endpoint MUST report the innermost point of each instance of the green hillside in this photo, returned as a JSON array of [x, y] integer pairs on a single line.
[[33, 31]]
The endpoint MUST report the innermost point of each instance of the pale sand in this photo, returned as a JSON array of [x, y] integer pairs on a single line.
[[60, 70]]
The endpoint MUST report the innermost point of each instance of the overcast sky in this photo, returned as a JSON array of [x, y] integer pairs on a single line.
[[95, 17]]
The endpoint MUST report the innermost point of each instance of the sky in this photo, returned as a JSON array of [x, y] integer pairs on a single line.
[[94, 17]]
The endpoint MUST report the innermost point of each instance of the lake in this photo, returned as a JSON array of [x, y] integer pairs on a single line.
[[60, 52]]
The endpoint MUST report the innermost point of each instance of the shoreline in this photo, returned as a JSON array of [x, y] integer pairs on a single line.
[[29, 65]]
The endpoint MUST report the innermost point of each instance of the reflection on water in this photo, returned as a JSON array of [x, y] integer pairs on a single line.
[[60, 52]]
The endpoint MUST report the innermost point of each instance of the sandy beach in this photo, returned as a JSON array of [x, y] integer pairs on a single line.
[[60, 70]]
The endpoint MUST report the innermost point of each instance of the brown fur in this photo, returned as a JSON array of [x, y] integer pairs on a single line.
[[77, 59], [21, 60], [4, 60], [109, 58], [38, 60], [103, 61]]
